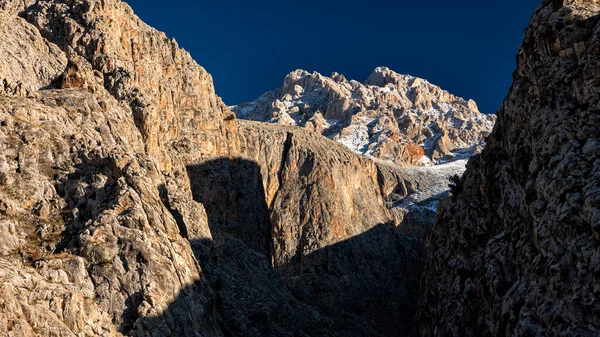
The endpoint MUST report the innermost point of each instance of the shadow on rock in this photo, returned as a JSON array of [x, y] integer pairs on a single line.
[[369, 280], [363, 286], [233, 195], [88, 191]]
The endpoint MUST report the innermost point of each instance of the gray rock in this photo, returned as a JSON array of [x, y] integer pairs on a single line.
[[514, 250], [144, 210], [393, 117]]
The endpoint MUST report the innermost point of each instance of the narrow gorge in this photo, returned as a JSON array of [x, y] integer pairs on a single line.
[[135, 202]]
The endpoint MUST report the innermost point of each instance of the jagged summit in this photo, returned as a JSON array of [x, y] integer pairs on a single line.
[[394, 117], [384, 75]]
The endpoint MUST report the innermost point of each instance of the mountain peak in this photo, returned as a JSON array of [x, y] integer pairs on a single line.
[[399, 118], [382, 76], [296, 75]]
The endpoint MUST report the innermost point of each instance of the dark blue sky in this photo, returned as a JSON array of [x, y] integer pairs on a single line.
[[466, 47]]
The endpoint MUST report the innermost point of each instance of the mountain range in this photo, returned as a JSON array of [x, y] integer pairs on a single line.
[[134, 202], [392, 117]]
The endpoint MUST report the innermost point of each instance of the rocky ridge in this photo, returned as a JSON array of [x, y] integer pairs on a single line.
[[393, 117], [134, 203], [515, 250]]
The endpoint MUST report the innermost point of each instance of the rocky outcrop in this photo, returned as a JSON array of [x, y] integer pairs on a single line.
[[330, 236], [172, 98], [132, 201], [23, 42], [82, 213], [324, 193], [515, 251], [92, 245], [397, 118]]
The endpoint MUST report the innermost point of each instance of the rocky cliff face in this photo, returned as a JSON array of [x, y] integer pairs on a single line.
[[318, 213], [171, 97], [89, 246], [334, 242], [515, 250], [397, 118], [132, 202]]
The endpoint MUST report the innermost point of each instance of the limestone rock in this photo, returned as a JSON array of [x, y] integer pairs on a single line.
[[133, 202], [322, 187], [134, 209], [170, 95], [334, 241], [397, 118], [21, 41], [80, 184], [515, 249]]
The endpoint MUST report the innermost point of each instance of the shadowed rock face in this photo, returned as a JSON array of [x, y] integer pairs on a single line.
[[372, 275], [231, 191], [515, 250], [334, 243], [304, 193]]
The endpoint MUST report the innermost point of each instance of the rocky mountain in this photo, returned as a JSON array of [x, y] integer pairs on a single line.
[[133, 202], [397, 118], [516, 250]]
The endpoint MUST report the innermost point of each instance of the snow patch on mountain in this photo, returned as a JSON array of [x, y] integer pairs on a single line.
[[398, 118]]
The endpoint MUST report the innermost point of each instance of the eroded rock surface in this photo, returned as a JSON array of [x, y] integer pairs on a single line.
[[172, 98], [332, 241], [132, 202], [29, 61], [515, 250], [397, 118], [90, 238]]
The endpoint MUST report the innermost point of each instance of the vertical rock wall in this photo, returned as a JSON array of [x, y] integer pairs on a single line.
[[516, 249]]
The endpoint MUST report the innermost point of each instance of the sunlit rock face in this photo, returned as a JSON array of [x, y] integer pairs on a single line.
[[171, 97], [133, 202], [89, 176], [397, 118], [515, 251]]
